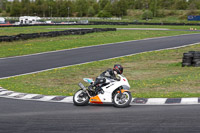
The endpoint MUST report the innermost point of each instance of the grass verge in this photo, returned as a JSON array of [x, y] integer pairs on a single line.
[[37, 29], [24, 30], [8, 49], [151, 74]]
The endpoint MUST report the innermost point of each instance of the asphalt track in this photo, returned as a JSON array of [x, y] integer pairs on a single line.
[[39, 62], [17, 116]]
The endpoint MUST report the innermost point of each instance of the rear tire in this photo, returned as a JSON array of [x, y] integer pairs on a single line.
[[81, 98], [123, 101]]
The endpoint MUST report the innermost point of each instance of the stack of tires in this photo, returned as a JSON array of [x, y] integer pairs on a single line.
[[53, 34], [192, 58]]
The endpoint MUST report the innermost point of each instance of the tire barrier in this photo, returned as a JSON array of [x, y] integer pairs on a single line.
[[108, 23], [53, 34], [192, 58], [139, 23], [104, 23]]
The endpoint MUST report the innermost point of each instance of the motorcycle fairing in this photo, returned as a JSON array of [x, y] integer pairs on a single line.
[[106, 97], [96, 100]]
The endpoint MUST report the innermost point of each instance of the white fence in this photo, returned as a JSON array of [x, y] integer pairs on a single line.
[[70, 18]]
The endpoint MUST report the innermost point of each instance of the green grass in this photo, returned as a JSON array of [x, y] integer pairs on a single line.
[[24, 30], [36, 29], [164, 16], [8, 49], [130, 26], [168, 19], [151, 74]]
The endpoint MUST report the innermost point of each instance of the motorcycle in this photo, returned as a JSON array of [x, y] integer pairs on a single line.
[[116, 92]]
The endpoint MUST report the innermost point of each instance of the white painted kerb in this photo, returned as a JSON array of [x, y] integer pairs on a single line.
[[189, 101], [156, 101]]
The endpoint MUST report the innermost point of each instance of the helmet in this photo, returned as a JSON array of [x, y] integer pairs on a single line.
[[118, 68]]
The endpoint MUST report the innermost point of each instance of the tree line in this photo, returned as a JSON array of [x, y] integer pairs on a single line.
[[90, 8]]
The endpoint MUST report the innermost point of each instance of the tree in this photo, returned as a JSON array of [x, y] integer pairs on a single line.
[[8, 7], [131, 4], [147, 15], [115, 9], [103, 3], [51, 6], [16, 8], [91, 11], [59, 8], [108, 8], [104, 14], [120, 8], [25, 6], [33, 9], [194, 4], [96, 7], [166, 4], [138, 4], [81, 7], [3, 4], [63, 10], [154, 7], [181, 4]]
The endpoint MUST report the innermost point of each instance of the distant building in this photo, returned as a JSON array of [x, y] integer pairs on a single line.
[[29, 19], [2, 20]]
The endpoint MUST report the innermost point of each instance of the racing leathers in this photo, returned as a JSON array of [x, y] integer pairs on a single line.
[[110, 73], [101, 80]]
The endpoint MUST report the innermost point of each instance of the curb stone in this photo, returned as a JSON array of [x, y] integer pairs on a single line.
[[34, 97], [69, 99]]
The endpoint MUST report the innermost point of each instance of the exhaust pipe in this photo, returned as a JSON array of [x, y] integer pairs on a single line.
[[82, 86]]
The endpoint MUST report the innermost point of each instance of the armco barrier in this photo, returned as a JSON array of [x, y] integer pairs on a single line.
[[53, 34]]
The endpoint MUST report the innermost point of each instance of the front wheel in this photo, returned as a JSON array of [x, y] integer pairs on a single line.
[[80, 98], [122, 100]]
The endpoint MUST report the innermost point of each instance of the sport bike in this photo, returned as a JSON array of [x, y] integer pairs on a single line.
[[116, 92]]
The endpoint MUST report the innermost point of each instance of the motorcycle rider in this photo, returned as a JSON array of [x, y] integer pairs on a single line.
[[110, 74]]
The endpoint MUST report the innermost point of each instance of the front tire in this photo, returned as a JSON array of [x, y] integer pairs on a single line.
[[81, 98], [122, 101]]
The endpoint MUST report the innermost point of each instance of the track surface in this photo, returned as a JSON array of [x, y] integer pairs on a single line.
[[162, 29], [17, 116], [28, 64]]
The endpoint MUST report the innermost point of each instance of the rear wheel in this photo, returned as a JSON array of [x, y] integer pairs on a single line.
[[81, 98], [122, 100]]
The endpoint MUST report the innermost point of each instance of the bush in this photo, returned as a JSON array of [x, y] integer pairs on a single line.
[[192, 12], [104, 14], [171, 13], [147, 15], [188, 13], [161, 13], [91, 12]]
